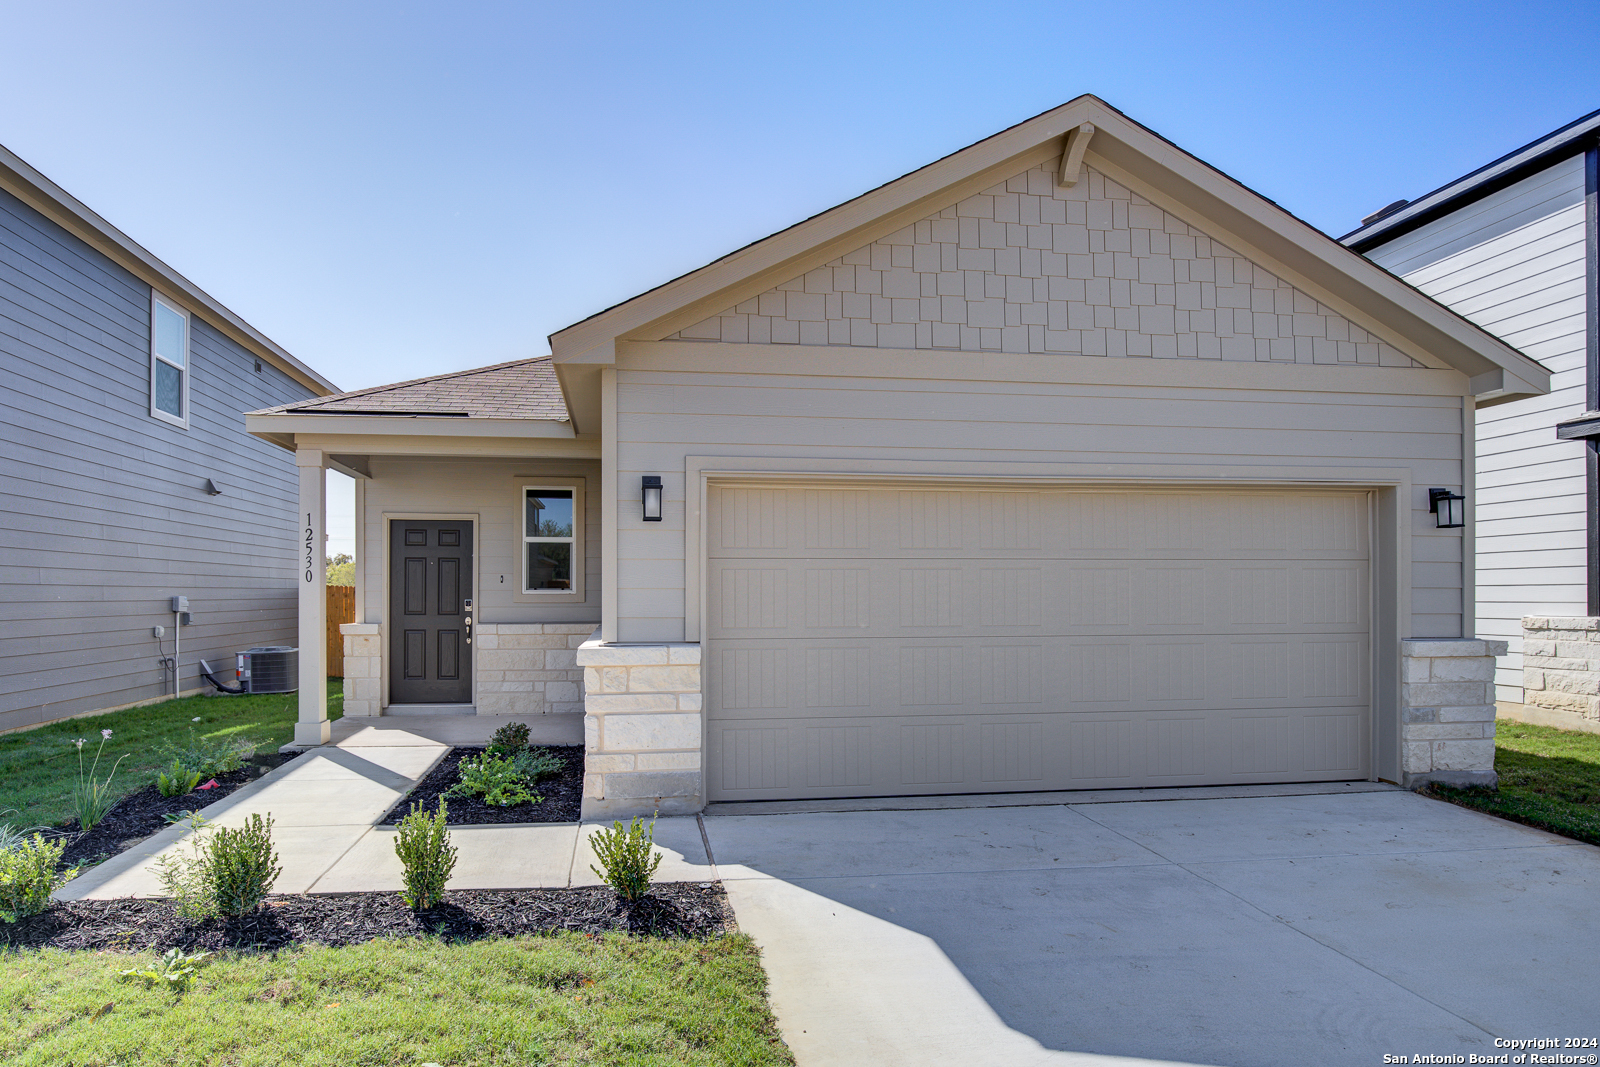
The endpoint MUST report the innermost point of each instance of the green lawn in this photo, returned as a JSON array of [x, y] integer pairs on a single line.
[[39, 767], [564, 999], [1549, 778]]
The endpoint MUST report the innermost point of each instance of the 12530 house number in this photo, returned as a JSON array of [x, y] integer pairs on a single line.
[[311, 538]]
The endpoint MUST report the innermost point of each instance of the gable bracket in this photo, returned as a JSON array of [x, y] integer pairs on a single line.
[[1072, 155]]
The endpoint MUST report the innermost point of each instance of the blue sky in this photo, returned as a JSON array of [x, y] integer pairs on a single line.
[[392, 190]]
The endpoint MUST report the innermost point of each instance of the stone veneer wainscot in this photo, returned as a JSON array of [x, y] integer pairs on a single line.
[[643, 729], [1447, 711], [1561, 670]]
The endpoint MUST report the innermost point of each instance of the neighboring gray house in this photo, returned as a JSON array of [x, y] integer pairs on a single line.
[[128, 476], [1512, 247], [1063, 462]]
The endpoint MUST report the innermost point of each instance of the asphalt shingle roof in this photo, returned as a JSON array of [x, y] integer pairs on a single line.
[[520, 389]]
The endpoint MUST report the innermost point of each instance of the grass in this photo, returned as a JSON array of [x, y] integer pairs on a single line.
[[1549, 778], [563, 999], [39, 767]]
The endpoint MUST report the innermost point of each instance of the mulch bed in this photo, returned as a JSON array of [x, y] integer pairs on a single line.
[[139, 814], [563, 793], [671, 909]]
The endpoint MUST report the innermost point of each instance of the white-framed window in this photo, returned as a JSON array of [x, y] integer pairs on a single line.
[[552, 540], [169, 362]]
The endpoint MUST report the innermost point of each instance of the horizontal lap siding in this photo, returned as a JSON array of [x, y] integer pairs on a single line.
[[664, 416], [102, 513], [486, 488], [1514, 264]]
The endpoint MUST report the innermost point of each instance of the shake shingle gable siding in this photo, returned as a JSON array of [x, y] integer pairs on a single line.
[[1027, 266], [519, 389]]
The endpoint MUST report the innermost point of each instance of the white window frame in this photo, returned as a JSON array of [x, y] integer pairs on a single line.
[[157, 300], [575, 593]]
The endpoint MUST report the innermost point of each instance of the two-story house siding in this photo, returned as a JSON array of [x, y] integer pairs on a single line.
[[105, 508], [1510, 247]]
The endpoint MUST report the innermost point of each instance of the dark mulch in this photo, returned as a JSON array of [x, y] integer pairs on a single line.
[[563, 793], [671, 909], [139, 814]]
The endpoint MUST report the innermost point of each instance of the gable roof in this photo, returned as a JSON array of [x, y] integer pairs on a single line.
[[518, 389], [25, 183], [1124, 150], [1537, 155]]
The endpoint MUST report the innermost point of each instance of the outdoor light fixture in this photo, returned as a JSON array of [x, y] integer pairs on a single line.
[[1448, 507], [652, 498]]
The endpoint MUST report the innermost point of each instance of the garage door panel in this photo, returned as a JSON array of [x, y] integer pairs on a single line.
[[879, 642], [886, 524], [805, 598]]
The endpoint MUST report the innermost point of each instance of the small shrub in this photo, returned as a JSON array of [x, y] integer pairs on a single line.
[[174, 970], [186, 878], [92, 798], [537, 766], [210, 757], [241, 866], [495, 779], [625, 855], [509, 740], [423, 845], [28, 876], [176, 780]]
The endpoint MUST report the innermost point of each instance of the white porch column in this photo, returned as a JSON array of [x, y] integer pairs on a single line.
[[312, 727]]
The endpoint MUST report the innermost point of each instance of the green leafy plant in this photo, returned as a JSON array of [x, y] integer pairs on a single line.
[[176, 780], [241, 865], [174, 970], [509, 740], [185, 876], [423, 845], [627, 857], [537, 766], [28, 876], [209, 757], [92, 798], [495, 779], [12, 836], [172, 818]]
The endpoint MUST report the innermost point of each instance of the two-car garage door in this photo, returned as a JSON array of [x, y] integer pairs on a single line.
[[912, 640]]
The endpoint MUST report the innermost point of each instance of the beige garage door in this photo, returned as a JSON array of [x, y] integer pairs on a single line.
[[896, 641]]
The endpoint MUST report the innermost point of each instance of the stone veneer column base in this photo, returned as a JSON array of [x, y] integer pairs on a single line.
[[1447, 712], [363, 668], [642, 729], [1561, 668]]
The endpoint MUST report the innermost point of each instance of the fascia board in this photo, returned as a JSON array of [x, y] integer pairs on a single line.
[[21, 180], [1349, 282], [297, 423]]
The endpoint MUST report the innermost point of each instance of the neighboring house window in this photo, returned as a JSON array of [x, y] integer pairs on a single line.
[[169, 362], [551, 556]]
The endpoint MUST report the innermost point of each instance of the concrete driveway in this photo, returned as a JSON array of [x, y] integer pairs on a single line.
[[1310, 929]]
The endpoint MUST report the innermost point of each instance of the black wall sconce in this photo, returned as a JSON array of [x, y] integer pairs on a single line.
[[651, 485], [1450, 508]]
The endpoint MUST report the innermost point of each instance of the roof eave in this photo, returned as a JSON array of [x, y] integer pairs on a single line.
[[280, 427]]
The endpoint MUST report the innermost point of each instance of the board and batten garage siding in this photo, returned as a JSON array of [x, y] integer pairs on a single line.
[[103, 513], [486, 488], [1513, 263], [1009, 428]]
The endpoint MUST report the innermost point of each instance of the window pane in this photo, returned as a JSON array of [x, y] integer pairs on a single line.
[[549, 565], [169, 336], [549, 513], [169, 389]]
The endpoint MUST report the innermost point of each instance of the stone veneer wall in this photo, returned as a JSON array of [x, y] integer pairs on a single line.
[[642, 729], [1447, 711], [1561, 667], [522, 668]]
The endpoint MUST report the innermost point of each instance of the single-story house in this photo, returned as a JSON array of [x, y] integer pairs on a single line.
[[1513, 246], [129, 479], [1063, 462]]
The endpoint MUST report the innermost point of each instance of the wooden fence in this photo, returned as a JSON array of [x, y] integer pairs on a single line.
[[341, 609]]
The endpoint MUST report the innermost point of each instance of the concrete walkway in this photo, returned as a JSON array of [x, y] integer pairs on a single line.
[[1315, 929], [324, 805]]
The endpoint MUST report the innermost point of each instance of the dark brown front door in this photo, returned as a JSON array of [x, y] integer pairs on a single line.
[[430, 612]]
